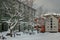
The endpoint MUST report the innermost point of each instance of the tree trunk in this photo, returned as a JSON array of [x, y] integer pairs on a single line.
[[19, 28], [11, 33]]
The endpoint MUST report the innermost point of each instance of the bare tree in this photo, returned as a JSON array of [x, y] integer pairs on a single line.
[[41, 10], [28, 2]]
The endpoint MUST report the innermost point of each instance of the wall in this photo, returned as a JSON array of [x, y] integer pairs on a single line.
[[54, 24]]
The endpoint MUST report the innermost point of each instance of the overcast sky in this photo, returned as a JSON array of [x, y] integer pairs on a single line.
[[52, 5]]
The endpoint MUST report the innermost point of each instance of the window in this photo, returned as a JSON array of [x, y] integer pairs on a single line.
[[48, 23], [51, 19], [48, 27], [51, 22], [54, 26], [54, 23], [54, 29], [51, 26]]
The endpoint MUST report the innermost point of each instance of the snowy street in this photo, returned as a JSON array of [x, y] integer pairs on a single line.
[[36, 36]]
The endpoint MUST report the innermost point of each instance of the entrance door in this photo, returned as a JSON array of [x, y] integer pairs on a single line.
[[4, 26]]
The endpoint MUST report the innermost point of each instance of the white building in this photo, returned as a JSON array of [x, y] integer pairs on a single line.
[[51, 22]]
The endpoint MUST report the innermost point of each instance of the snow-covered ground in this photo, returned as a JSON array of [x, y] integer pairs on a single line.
[[36, 36]]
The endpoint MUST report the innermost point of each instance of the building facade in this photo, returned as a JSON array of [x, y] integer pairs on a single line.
[[17, 10], [51, 24]]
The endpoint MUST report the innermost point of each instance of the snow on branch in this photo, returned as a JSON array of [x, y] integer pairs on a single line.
[[14, 25]]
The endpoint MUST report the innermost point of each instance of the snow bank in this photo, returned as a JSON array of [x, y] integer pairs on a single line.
[[36, 36]]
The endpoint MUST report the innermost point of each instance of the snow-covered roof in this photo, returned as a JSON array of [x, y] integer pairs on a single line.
[[52, 14]]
